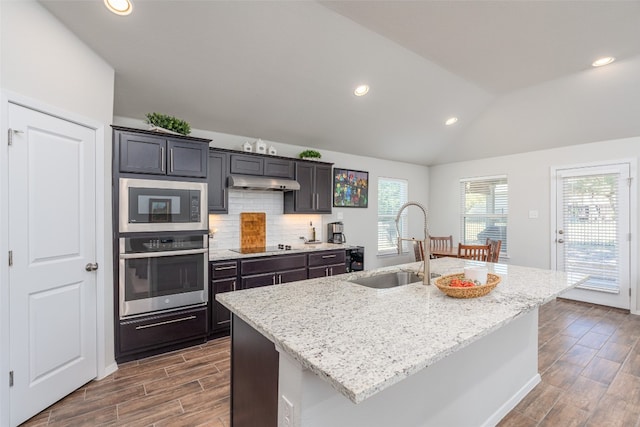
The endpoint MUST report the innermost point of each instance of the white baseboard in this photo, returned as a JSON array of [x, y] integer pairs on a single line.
[[108, 370], [495, 418]]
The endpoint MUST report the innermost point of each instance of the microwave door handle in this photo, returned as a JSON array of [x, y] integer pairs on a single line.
[[163, 254]]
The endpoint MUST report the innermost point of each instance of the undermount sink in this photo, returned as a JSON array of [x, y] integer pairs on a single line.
[[388, 280]]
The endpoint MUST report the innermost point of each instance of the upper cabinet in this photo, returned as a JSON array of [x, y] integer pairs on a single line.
[[259, 165], [314, 195], [159, 154], [217, 182]]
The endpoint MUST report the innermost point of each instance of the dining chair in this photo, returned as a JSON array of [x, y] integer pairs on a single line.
[[494, 250], [475, 252], [443, 244]]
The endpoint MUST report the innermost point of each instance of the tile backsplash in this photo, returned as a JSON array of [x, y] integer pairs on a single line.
[[285, 229]]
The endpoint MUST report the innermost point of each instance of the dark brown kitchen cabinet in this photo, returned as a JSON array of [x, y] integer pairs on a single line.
[[315, 191], [279, 168], [160, 333], [218, 196], [246, 164], [157, 154], [260, 165], [327, 263], [224, 276], [266, 271]]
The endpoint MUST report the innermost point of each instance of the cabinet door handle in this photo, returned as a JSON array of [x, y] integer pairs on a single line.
[[225, 268], [171, 160], [166, 322], [234, 285], [317, 200], [273, 279], [279, 279], [162, 159], [329, 256], [331, 271], [326, 271]]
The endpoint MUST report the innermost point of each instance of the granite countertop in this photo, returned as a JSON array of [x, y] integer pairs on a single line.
[[223, 254], [363, 340]]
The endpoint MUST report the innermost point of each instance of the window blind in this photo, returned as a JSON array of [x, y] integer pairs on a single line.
[[484, 207], [392, 194]]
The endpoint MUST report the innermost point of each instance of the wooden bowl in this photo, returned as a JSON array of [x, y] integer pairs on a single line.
[[471, 292]]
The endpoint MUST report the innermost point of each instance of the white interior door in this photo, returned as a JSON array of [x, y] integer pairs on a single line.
[[52, 239], [593, 230]]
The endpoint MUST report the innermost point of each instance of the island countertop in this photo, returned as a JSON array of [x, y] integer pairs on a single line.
[[362, 340]]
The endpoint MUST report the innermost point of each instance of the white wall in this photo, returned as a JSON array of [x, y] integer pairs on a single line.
[[529, 189], [360, 224], [43, 61]]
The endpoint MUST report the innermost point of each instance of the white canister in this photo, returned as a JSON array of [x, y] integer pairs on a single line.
[[476, 273]]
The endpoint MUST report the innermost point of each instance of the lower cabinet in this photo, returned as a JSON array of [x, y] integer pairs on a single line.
[[327, 263], [161, 332], [224, 277], [267, 271], [246, 273]]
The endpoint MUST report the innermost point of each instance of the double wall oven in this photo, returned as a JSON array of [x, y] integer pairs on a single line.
[[162, 245]]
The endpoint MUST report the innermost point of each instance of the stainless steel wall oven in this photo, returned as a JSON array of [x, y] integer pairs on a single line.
[[162, 271]]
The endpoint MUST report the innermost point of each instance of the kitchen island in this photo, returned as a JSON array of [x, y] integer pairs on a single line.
[[328, 352]]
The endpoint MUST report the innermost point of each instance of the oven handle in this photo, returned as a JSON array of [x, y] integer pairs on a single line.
[[164, 253]]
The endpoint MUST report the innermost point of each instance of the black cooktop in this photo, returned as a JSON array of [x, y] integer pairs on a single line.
[[262, 249]]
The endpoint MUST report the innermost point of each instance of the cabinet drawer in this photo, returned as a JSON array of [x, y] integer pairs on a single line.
[[327, 258], [272, 264], [222, 270], [162, 330]]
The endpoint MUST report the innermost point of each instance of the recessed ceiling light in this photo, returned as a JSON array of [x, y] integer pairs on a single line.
[[361, 90], [119, 7], [603, 61], [451, 120]]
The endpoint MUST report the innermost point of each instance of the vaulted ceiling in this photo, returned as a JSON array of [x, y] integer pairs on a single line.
[[516, 73]]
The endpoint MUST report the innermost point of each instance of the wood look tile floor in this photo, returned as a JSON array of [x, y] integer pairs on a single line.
[[589, 360]]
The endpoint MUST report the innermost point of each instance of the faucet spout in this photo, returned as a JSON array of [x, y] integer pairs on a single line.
[[426, 271]]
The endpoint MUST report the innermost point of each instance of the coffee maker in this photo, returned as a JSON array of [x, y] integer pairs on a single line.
[[335, 233]]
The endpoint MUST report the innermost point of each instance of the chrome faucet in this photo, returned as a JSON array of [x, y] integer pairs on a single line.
[[426, 271]]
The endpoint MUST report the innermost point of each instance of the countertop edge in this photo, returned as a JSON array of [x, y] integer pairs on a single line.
[[357, 397]]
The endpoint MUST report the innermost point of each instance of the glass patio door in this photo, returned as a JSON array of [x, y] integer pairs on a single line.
[[592, 231]]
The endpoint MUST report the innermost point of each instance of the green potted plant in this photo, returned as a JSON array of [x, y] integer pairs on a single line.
[[310, 155], [163, 122]]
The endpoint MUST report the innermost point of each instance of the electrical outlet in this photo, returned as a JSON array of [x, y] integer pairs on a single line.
[[287, 412]]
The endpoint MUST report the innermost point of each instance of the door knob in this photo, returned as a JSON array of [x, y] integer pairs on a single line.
[[560, 240], [91, 266]]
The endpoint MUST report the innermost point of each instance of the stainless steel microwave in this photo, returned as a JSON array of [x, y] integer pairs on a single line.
[[159, 205]]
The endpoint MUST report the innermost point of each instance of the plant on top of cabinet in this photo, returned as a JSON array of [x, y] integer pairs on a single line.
[[169, 123], [310, 154]]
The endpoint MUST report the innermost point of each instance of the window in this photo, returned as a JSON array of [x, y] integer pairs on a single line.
[[392, 194], [484, 205]]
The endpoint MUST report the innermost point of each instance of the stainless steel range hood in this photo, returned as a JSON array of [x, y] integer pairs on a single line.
[[249, 182]]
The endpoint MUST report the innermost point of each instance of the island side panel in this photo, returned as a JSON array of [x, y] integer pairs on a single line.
[[254, 377], [474, 386]]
